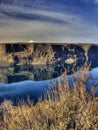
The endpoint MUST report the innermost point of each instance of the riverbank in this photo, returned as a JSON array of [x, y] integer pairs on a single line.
[[64, 109]]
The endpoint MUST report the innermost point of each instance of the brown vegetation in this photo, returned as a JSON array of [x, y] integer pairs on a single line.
[[62, 109]]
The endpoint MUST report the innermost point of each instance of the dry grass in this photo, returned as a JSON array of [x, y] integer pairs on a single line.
[[62, 109]]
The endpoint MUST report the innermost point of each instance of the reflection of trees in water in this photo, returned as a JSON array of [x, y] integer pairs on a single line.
[[36, 72], [20, 73], [42, 72]]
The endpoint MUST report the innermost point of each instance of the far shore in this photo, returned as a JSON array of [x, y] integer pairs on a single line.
[[54, 43]]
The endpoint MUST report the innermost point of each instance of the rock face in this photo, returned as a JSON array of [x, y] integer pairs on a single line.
[[36, 59], [45, 53], [26, 54], [93, 56]]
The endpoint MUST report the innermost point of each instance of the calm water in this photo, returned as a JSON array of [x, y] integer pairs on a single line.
[[39, 72], [32, 72], [36, 73]]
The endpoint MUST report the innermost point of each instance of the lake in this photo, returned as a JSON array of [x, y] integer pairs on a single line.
[[27, 70]]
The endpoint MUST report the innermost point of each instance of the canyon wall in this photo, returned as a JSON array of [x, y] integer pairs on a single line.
[[21, 54], [43, 61], [26, 54]]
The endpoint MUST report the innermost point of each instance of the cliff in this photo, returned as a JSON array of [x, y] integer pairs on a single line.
[[43, 61]]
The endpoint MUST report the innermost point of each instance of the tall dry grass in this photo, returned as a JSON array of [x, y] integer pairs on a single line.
[[62, 109]]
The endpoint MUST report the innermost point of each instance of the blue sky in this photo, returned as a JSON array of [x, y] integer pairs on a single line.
[[49, 21]]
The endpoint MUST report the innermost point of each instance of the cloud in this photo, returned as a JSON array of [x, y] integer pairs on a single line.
[[19, 13], [21, 23], [76, 31], [37, 17]]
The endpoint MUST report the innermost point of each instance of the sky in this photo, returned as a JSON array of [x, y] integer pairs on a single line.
[[70, 21]]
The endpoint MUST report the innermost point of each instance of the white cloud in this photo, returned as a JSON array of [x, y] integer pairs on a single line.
[[78, 30]]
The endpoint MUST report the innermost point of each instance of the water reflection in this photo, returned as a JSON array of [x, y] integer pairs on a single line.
[[29, 72], [39, 72]]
